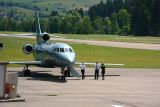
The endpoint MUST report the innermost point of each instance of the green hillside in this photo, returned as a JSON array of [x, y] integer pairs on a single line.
[[25, 8]]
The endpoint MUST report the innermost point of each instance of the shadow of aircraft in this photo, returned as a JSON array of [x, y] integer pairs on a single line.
[[44, 76]]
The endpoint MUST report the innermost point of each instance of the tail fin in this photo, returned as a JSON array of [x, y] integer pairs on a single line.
[[38, 28]]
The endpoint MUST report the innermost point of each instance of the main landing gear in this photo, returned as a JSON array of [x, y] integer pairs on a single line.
[[63, 77], [65, 73], [26, 71]]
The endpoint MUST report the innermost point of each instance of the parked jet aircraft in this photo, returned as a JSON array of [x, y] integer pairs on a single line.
[[50, 55]]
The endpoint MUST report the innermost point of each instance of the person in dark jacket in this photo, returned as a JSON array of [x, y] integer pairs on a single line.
[[103, 71]]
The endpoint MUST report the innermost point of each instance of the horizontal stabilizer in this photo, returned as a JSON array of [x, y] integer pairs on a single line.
[[18, 35]]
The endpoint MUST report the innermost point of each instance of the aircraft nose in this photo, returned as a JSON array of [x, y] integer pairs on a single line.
[[66, 59], [70, 59]]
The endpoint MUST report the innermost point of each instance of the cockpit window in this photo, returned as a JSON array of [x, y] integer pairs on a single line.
[[61, 49], [70, 50]]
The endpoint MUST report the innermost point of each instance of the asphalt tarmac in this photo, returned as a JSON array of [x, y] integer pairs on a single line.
[[121, 88]]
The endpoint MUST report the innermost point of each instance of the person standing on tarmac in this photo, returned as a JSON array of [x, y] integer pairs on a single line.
[[68, 71], [103, 71], [64, 74], [82, 67], [97, 67]]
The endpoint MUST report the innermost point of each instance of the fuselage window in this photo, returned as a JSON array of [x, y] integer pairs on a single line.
[[66, 49], [61, 49], [70, 50], [57, 49]]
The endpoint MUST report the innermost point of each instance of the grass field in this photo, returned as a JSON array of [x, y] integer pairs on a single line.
[[132, 58], [140, 39]]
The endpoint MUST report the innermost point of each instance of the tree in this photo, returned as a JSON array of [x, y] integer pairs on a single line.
[[123, 18], [124, 22], [115, 26], [54, 13], [75, 18], [78, 26], [98, 25], [26, 25], [44, 25], [107, 25], [54, 24], [67, 26], [86, 27], [155, 18], [126, 30], [3, 24], [80, 11], [100, 9], [143, 21], [141, 17], [92, 13]]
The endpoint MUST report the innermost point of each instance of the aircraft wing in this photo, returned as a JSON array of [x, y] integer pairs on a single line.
[[26, 62], [107, 64], [16, 35]]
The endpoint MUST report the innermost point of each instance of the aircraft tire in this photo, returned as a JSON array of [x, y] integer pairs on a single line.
[[27, 72]]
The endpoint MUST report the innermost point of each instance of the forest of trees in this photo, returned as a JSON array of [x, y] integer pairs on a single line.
[[137, 17], [123, 17]]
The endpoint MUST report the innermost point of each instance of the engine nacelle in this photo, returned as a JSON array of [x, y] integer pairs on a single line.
[[28, 48], [45, 36]]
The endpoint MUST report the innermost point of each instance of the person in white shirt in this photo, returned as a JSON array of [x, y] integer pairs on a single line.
[[82, 67], [97, 67]]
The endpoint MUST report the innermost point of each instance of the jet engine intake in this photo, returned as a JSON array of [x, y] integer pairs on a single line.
[[45, 36], [28, 48]]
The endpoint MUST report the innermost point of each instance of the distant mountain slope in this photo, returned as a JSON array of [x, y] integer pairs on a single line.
[[26, 7]]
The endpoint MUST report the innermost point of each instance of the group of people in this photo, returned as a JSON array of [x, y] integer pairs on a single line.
[[66, 72], [97, 68]]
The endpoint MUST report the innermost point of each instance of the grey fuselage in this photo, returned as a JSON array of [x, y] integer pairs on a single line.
[[54, 55]]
